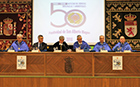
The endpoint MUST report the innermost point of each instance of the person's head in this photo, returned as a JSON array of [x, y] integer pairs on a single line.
[[101, 37], [79, 38], [61, 39], [40, 38], [19, 37], [122, 39]]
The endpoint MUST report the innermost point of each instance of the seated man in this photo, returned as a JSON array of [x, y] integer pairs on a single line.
[[19, 44], [122, 45], [80, 44], [61, 45], [101, 45], [40, 45]]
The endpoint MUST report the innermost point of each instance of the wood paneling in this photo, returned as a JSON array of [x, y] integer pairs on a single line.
[[131, 64], [69, 82], [70, 64], [8, 61], [48, 64], [81, 64]]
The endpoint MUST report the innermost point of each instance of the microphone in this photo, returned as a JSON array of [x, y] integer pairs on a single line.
[[116, 48]]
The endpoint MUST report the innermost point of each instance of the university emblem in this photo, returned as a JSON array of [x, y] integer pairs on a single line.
[[68, 65], [117, 62], [130, 25], [21, 62], [7, 28]]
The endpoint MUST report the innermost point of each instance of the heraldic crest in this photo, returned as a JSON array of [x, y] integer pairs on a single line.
[[8, 27], [130, 25]]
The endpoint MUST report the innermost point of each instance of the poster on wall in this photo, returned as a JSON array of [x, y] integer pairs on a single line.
[[117, 63], [21, 62]]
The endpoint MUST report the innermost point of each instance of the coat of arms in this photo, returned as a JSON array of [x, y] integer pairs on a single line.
[[68, 65], [7, 28], [21, 62], [130, 25], [117, 62]]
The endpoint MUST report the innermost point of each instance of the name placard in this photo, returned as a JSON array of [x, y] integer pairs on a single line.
[[127, 51], [79, 50], [34, 51], [103, 51], [57, 51], [11, 51]]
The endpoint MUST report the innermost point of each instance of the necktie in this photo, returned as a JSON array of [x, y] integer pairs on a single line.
[[60, 47], [40, 46], [80, 46]]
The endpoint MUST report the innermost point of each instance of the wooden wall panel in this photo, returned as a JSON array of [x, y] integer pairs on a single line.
[[69, 82], [8, 61], [81, 64], [70, 64], [103, 64]]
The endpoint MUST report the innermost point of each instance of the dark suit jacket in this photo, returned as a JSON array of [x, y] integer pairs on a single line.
[[43, 46], [65, 47]]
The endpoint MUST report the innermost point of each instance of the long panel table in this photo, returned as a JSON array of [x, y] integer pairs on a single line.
[[70, 64], [88, 69]]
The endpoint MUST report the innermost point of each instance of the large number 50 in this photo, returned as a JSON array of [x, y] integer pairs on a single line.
[[66, 16]]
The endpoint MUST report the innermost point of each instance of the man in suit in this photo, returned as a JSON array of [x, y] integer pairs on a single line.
[[40, 45], [122, 45], [61, 45], [101, 45], [80, 44], [19, 44]]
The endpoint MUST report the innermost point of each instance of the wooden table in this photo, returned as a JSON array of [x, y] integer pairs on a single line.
[[70, 64], [88, 69]]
